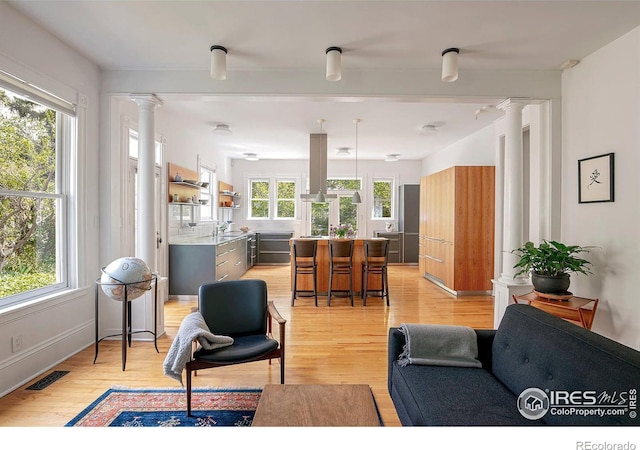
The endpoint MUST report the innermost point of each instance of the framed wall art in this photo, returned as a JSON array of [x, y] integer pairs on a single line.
[[595, 179]]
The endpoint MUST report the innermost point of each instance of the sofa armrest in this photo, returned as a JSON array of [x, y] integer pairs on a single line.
[[395, 347], [397, 341], [485, 346]]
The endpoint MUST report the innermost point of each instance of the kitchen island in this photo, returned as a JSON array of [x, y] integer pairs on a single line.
[[305, 282], [201, 260]]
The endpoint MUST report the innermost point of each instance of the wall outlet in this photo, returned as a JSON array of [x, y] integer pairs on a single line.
[[16, 343]]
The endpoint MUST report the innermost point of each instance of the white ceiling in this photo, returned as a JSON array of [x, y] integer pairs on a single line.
[[281, 35]]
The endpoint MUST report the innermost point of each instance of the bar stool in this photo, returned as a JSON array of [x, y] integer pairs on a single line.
[[340, 263], [304, 263], [376, 256]]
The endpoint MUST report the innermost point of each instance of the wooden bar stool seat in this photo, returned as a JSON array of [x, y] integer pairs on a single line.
[[340, 263], [376, 258], [304, 263]]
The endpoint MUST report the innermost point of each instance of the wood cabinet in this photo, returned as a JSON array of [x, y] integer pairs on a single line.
[[457, 223]]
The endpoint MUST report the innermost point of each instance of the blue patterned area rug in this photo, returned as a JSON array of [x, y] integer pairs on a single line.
[[221, 407]]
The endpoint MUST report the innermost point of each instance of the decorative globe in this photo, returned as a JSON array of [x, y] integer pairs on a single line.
[[129, 271]]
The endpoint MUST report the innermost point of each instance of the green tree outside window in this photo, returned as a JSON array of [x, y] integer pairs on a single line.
[[285, 199], [382, 199], [260, 199]]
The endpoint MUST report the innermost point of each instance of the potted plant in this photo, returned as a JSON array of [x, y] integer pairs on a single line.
[[342, 231], [550, 264]]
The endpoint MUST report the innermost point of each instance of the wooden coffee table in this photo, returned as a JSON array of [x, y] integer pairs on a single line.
[[319, 405]]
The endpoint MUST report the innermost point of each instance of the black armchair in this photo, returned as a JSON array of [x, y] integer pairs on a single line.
[[238, 309]]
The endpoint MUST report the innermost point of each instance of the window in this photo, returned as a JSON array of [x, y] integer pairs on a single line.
[[207, 194], [259, 198], [382, 199], [263, 190], [285, 199], [336, 212], [35, 150]]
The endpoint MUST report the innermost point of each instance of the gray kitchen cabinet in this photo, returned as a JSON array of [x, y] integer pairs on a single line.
[[192, 265], [273, 248]]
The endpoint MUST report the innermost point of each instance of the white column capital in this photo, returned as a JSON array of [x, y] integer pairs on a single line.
[[512, 102], [146, 101]]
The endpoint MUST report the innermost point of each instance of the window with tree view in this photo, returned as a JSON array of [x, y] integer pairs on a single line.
[[382, 198], [285, 199], [32, 198], [259, 190]]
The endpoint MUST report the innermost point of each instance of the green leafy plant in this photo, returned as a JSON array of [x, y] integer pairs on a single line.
[[551, 258]]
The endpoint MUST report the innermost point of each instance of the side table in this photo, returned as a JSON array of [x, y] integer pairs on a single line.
[[126, 318], [578, 310]]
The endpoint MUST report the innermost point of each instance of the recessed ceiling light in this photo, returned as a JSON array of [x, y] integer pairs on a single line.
[[250, 156], [428, 130], [222, 128], [392, 157], [343, 151]]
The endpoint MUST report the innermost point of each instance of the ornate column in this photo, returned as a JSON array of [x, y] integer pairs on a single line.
[[146, 216], [512, 231]]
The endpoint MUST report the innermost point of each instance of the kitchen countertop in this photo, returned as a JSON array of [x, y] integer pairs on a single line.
[[221, 238], [210, 240]]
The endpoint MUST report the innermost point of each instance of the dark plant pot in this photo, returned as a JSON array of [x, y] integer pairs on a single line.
[[551, 284]]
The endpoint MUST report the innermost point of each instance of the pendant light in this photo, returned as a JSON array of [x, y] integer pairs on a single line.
[[356, 194]]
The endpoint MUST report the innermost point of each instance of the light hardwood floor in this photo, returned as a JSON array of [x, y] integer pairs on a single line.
[[324, 345]]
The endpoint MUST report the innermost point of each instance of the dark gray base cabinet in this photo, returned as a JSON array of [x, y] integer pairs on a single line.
[[191, 266], [274, 248]]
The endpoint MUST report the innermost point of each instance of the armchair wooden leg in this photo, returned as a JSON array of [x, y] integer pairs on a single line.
[[282, 369], [188, 393]]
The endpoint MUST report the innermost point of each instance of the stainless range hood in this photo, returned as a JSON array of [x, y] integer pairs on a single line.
[[317, 168]]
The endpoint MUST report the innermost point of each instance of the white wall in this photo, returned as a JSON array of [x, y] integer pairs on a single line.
[[601, 114], [57, 327], [477, 149], [403, 172]]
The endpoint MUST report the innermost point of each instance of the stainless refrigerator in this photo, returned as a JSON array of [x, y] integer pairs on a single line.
[[409, 220]]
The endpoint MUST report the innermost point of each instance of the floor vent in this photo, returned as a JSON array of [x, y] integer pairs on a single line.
[[48, 380]]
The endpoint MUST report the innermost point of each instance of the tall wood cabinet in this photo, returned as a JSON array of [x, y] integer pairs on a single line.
[[457, 223]]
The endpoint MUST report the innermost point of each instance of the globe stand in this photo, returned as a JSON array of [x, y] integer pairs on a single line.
[[127, 331]]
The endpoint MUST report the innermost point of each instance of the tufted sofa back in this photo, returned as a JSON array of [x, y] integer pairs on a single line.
[[533, 349]]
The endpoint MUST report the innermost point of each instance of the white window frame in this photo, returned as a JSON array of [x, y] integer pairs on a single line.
[[276, 198], [210, 194], [392, 182], [251, 180], [66, 157]]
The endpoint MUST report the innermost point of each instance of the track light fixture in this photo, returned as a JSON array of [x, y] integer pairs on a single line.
[[218, 62], [334, 63], [450, 64]]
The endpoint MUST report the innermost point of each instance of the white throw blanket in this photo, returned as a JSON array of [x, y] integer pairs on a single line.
[[193, 327], [439, 345]]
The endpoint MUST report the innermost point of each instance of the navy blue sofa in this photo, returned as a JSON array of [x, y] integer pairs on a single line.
[[537, 369]]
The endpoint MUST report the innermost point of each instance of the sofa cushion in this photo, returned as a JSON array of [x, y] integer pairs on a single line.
[[457, 396], [533, 349]]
